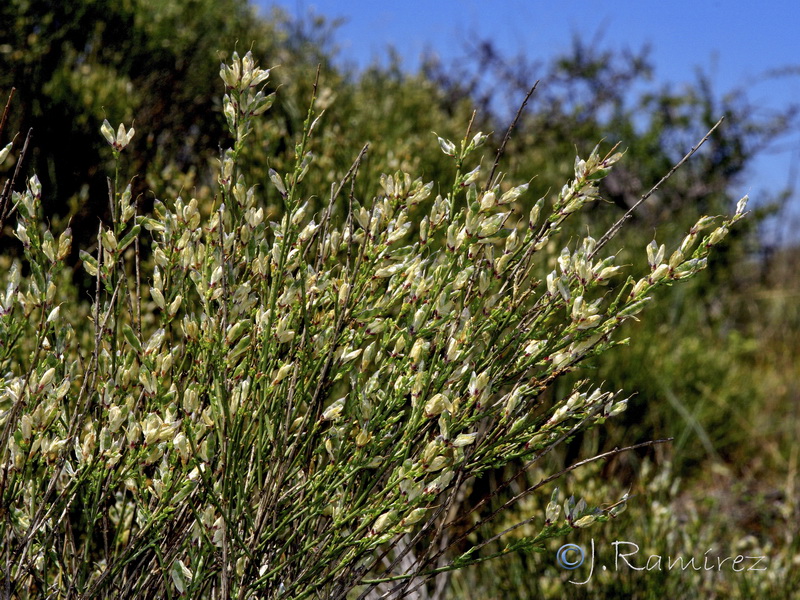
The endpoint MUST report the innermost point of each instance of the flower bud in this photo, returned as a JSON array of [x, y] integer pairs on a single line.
[[281, 374], [658, 274], [54, 314], [437, 404], [740, 206], [109, 240], [423, 230], [633, 308], [418, 350], [464, 439], [334, 411], [533, 218], [107, 131], [415, 516], [512, 241], [585, 521], [703, 223], [22, 234], [655, 254], [605, 274], [157, 297], [514, 193], [552, 511], [50, 294], [47, 378], [472, 176], [478, 140], [4, 152], [717, 235], [448, 147], [676, 259], [175, 305], [478, 383], [382, 522], [489, 200]]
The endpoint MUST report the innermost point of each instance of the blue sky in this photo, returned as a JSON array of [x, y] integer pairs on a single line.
[[732, 40]]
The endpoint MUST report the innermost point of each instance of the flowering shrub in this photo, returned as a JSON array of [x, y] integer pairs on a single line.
[[262, 409]]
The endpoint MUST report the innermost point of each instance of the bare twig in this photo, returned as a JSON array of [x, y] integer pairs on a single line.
[[618, 225], [6, 110], [501, 150], [5, 212]]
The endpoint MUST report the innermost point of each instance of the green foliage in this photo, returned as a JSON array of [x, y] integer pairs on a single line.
[[223, 418], [76, 63], [664, 528], [154, 65]]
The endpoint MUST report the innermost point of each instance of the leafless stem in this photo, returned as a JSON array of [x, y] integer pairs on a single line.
[[501, 150], [5, 212], [618, 225]]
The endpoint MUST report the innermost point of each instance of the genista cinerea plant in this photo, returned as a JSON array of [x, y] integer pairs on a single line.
[[290, 409]]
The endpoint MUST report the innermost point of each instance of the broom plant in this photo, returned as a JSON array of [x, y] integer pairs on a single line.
[[255, 409]]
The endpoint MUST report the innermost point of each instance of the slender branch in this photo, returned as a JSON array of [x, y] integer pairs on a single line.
[[559, 474], [6, 110], [501, 150], [618, 225], [5, 212]]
